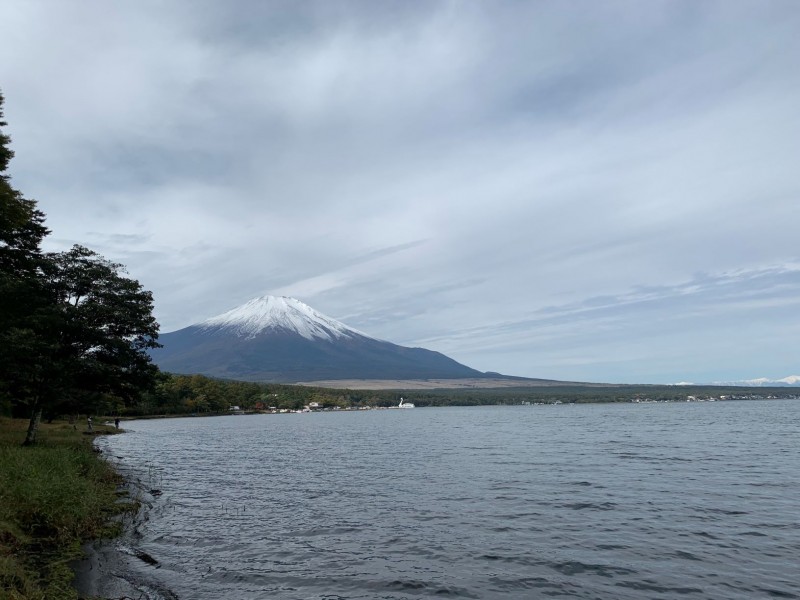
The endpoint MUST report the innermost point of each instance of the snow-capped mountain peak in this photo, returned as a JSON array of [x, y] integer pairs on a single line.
[[283, 314], [766, 382], [791, 380], [281, 339]]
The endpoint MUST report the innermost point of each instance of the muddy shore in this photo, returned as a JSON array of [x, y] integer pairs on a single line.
[[117, 569]]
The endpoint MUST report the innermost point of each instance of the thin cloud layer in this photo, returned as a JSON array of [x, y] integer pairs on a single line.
[[596, 192]]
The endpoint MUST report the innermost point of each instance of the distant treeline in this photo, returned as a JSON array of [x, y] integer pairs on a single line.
[[197, 394], [577, 394]]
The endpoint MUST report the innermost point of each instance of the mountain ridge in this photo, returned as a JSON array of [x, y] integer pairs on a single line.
[[790, 381], [284, 340]]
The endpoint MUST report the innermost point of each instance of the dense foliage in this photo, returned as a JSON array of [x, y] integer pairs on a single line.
[[197, 394], [74, 330]]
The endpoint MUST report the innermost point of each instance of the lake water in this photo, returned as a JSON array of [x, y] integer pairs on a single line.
[[578, 501]]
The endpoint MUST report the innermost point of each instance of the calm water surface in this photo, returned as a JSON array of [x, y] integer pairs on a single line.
[[587, 501]]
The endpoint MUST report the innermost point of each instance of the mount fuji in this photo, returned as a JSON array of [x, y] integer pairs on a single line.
[[284, 340]]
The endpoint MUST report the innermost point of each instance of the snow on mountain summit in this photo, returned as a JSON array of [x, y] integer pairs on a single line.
[[283, 340], [791, 380], [280, 313]]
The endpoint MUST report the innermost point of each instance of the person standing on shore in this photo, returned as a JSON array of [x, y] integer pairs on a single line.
[[89, 422], [116, 422]]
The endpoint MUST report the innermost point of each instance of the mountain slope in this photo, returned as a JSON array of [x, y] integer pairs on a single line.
[[285, 340]]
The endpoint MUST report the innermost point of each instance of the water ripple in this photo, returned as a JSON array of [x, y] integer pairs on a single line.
[[628, 502]]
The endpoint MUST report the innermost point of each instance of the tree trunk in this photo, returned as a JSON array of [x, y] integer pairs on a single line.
[[33, 426]]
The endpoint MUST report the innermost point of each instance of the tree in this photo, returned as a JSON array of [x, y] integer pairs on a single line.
[[21, 223], [22, 296], [74, 331], [96, 335]]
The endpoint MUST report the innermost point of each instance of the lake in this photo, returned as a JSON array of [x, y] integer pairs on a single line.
[[694, 500]]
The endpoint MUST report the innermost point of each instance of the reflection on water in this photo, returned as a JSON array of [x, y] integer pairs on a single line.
[[587, 501]]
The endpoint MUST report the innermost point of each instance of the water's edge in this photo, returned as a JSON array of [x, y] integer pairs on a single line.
[[596, 501], [115, 568]]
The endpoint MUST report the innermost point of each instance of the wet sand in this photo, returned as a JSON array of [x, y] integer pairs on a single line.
[[101, 573], [115, 569]]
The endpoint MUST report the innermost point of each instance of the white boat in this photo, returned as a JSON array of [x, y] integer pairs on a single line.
[[405, 404]]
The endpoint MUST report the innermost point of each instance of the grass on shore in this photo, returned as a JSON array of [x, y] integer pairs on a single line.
[[53, 496]]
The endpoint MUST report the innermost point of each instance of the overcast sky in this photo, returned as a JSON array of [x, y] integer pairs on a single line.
[[596, 191]]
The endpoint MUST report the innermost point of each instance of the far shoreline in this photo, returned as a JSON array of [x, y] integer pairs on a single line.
[[785, 395]]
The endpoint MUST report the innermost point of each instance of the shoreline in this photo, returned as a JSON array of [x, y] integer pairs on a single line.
[[56, 496], [114, 568]]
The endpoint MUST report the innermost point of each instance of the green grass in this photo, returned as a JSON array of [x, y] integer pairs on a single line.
[[53, 496]]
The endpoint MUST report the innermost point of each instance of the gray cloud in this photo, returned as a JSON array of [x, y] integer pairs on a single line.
[[528, 187]]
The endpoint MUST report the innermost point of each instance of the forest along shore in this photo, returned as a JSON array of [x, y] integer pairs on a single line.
[[54, 497]]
